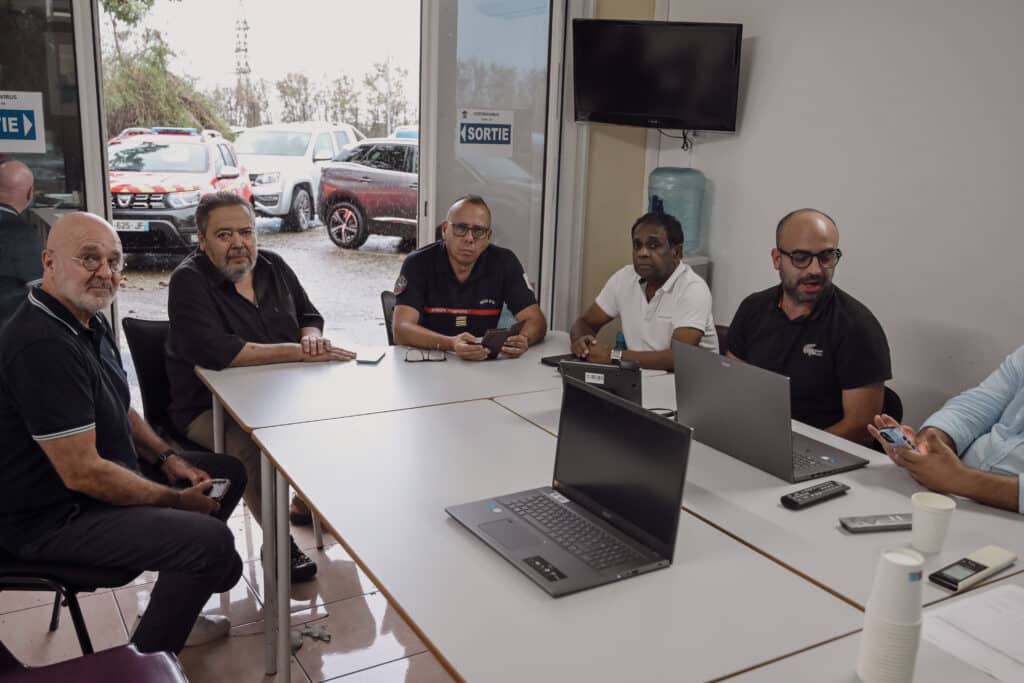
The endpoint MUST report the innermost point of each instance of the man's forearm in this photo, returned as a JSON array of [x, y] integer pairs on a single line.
[[997, 490], [534, 330], [651, 360], [116, 485], [413, 334], [147, 440], [267, 354], [580, 328], [851, 431]]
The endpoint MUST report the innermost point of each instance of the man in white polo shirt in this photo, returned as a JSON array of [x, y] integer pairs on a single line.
[[659, 298]]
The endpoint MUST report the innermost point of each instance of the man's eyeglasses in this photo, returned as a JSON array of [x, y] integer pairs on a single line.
[[425, 355], [94, 263], [801, 259], [480, 232]]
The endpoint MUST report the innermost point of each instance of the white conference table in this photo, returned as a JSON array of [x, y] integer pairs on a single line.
[[836, 662], [290, 393], [381, 483], [744, 502]]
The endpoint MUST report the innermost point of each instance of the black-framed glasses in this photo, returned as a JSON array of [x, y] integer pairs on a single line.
[[425, 355], [480, 232], [94, 263], [826, 259]]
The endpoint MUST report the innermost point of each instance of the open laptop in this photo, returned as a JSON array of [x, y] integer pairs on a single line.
[[622, 379], [612, 510], [743, 411]]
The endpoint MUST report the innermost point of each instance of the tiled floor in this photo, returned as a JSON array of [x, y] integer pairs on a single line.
[[370, 642]]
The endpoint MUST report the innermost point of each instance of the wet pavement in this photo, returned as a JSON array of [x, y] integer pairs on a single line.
[[345, 285]]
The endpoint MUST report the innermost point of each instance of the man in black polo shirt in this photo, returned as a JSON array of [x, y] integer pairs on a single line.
[[450, 292], [72, 489], [230, 305], [20, 246], [828, 343]]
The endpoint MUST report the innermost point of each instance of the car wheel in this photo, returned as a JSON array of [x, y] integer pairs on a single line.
[[346, 225], [300, 217]]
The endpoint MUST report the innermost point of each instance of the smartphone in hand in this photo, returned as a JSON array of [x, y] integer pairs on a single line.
[[895, 437], [493, 340]]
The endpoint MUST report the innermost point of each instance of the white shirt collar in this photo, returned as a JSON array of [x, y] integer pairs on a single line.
[[670, 282]]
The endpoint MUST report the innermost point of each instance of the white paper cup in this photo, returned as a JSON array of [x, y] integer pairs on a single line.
[[896, 594], [888, 652], [932, 514]]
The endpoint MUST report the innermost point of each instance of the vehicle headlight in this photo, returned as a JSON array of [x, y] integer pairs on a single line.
[[267, 179], [183, 200]]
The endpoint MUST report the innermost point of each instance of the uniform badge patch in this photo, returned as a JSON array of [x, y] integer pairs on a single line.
[[400, 284], [461, 321]]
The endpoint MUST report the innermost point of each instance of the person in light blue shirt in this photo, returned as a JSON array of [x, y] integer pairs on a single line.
[[974, 445]]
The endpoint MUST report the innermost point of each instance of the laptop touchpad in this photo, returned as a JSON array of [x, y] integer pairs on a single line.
[[510, 534]]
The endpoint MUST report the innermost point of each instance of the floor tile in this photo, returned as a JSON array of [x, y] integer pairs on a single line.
[[248, 536], [337, 578], [239, 604], [365, 632], [421, 668], [237, 658], [15, 601], [306, 539], [25, 633]]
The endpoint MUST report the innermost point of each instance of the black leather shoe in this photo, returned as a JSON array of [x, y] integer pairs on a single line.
[[303, 567]]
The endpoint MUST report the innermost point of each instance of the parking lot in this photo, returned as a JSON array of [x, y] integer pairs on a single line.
[[345, 285]]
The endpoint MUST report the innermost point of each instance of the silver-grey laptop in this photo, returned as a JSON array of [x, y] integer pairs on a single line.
[[612, 510], [744, 411], [623, 379]]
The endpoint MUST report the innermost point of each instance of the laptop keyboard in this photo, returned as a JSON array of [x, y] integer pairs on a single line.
[[574, 533]]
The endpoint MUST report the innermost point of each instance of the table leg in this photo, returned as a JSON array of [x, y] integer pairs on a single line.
[[284, 582], [270, 604], [218, 426], [318, 533]]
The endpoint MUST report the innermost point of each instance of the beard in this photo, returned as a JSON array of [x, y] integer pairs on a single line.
[[792, 288], [235, 272], [97, 296]]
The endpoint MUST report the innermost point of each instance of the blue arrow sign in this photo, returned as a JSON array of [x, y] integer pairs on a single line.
[[17, 124], [485, 133]]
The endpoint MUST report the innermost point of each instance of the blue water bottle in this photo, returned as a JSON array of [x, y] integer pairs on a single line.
[[620, 341], [680, 192]]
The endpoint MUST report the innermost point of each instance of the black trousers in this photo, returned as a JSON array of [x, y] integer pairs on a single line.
[[194, 553]]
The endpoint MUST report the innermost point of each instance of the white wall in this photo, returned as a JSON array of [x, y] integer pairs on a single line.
[[901, 118]]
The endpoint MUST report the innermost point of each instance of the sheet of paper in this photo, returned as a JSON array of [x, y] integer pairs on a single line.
[[983, 630]]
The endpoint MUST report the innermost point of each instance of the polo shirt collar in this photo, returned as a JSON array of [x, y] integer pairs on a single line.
[[668, 284], [56, 310], [7, 208], [819, 309], [443, 266]]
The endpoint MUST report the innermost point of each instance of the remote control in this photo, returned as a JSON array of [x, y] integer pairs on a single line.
[[869, 523], [813, 494]]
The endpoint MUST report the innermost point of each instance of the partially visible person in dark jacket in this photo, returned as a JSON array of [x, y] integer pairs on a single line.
[[21, 250]]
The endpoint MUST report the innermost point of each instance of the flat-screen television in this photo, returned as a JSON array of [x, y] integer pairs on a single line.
[[657, 74]]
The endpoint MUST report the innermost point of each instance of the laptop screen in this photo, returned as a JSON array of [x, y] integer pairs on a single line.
[[623, 463]]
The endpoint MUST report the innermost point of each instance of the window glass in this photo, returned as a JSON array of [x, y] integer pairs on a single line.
[[225, 155], [37, 55], [387, 157], [282, 143], [341, 139], [323, 147], [166, 157]]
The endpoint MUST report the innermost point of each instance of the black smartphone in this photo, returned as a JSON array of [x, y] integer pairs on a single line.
[[493, 340]]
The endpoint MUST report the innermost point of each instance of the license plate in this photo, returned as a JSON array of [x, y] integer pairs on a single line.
[[131, 226]]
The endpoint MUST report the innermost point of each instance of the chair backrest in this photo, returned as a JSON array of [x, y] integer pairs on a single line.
[[723, 338], [387, 302], [892, 405], [146, 341]]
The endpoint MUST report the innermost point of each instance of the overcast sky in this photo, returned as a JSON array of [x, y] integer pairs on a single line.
[[323, 39]]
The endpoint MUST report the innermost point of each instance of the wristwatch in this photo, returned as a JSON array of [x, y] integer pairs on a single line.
[[162, 457], [616, 355]]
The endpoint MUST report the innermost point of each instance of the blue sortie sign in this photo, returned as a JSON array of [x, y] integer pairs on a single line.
[[17, 124], [485, 133]]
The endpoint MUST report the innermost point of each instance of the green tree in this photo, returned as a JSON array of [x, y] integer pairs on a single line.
[[298, 98], [139, 90], [245, 104], [339, 102], [387, 104]]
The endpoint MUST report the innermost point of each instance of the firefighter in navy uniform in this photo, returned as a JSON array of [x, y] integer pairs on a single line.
[[450, 292]]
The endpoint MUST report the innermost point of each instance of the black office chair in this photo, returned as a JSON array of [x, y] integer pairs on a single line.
[[66, 581], [387, 302], [723, 338], [892, 405], [147, 340]]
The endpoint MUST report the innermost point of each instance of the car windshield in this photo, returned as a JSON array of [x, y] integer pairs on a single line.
[[278, 143], [164, 157]]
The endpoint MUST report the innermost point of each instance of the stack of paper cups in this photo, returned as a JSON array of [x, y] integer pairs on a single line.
[[892, 620]]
